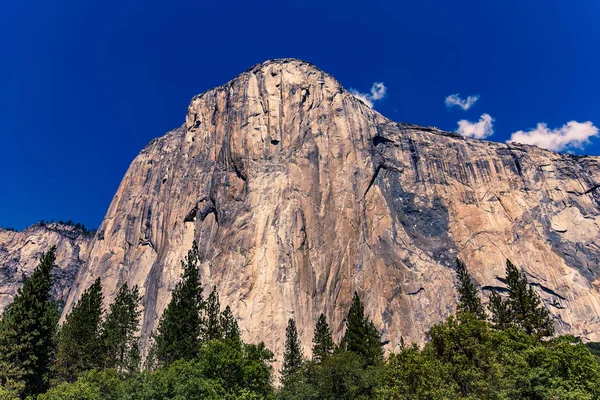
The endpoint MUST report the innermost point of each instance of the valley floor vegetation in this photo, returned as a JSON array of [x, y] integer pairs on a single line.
[[505, 352]]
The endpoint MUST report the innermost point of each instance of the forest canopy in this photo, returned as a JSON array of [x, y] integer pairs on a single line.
[[505, 350]]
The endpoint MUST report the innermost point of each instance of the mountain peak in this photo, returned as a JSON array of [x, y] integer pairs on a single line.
[[282, 61], [291, 70]]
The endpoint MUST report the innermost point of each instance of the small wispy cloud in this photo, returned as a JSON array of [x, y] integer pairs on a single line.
[[465, 104], [478, 130], [573, 134], [378, 91]]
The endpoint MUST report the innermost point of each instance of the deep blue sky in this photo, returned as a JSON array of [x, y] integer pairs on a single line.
[[85, 85]]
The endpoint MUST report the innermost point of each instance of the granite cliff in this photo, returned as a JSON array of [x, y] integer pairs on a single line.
[[20, 252], [298, 194]]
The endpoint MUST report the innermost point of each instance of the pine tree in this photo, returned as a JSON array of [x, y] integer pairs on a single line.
[[27, 331], [120, 327], [133, 360], [538, 320], [79, 347], [323, 345], [293, 355], [469, 301], [523, 306], [229, 325], [180, 328], [501, 315], [361, 336], [213, 314]]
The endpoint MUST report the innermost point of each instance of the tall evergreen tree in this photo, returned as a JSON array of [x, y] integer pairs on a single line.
[[133, 361], [361, 336], [120, 327], [468, 301], [229, 325], [181, 326], [79, 346], [323, 345], [28, 329], [213, 316], [501, 315], [523, 306], [293, 355]]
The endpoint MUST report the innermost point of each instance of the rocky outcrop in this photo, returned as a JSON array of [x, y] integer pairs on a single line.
[[298, 194], [20, 252]]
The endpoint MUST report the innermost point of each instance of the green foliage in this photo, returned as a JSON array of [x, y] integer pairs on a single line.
[[79, 348], [118, 338], [342, 375], [467, 359], [468, 301], [9, 392], [523, 306], [213, 316], [199, 357], [352, 371], [501, 314], [91, 385], [361, 336], [563, 368], [594, 348], [223, 370], [412, 374], [229, 325], [27, 332], [293, 356], [323, 345], [133, 360], [237, 367], [181, 326], [182, 380]]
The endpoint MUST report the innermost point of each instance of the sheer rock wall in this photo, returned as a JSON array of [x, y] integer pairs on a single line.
[[298, 194]]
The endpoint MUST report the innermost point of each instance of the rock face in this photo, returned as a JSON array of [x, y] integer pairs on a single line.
[[298, 194], [20, 253]]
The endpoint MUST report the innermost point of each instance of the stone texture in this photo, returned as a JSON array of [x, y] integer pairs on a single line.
[[21, 251], [299, 194]]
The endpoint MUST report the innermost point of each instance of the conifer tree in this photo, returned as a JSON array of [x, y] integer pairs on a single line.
[[120, 327], [323, 345], [28, 329], [501, 315], [229, 325], [180, 328], [468, 301], [213, 314], [293, 355], [361, 336], [523, 306], [133, 360], [79, 348]]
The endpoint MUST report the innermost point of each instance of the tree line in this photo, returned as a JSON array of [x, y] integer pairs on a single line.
[[504, 351], [77, 225]]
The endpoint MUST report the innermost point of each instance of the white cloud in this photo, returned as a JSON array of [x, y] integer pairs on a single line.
[[573, 134], [377, 93], [478, 130], [455, 100]]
